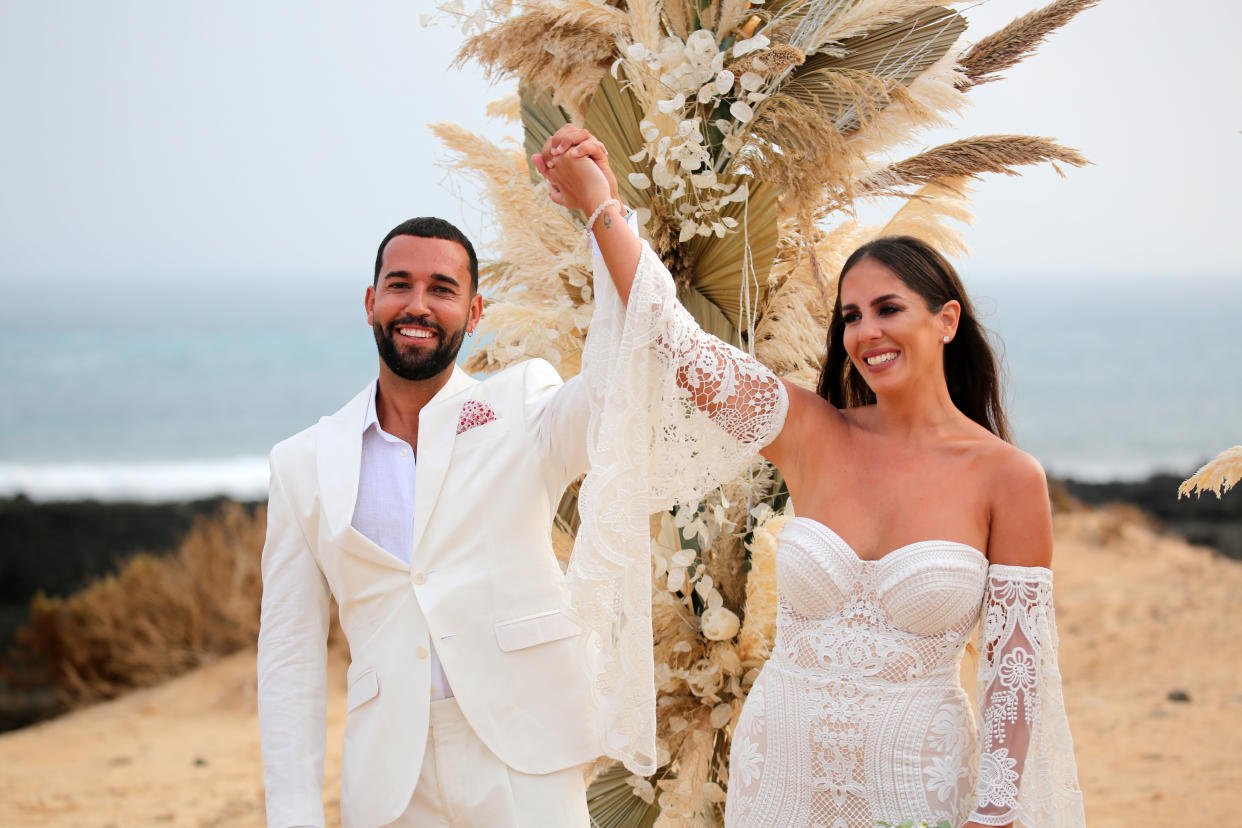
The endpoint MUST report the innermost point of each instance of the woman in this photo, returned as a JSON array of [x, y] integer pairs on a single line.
[[916, 518]]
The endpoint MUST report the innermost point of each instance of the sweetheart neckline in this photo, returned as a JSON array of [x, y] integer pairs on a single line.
[[854, 554]]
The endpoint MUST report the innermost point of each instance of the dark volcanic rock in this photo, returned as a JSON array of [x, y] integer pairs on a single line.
[[1201, 519], [59, 548]]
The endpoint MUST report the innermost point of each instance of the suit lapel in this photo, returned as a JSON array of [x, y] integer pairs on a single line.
[[437, 429], [339, 458]]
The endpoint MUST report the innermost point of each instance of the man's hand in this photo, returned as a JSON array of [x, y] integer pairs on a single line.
[[569, 185]]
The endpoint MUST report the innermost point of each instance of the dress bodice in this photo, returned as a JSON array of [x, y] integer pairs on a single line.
[[899, 618]]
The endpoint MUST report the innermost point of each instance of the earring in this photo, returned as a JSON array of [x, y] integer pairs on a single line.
[[946, 339]]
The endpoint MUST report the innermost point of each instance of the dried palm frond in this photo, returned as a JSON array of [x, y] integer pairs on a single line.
[[722, 267], [618, 799], [984, 61], [970, 158], [863, 17], [896, 53], [566, 51], [1218, 475]]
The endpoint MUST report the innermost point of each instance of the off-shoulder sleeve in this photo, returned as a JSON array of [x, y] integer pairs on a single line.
[[1027, 772], [674, 412]]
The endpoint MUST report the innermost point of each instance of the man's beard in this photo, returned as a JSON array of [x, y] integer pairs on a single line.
[[417, 365]]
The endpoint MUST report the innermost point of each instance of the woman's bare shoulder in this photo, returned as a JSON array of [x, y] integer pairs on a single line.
[[1016, 470], [1020, 532]]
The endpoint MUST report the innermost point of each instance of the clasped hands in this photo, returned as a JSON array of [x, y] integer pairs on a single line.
[[575, 164]]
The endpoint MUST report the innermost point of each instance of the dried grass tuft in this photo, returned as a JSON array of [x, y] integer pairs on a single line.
[[999, 51], [155, 619], [770, 62], [566, 50], [1218, 475], [970, 158], [508, 108], [927, 212]]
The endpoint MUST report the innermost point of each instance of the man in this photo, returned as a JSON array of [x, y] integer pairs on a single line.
[[424, 506]]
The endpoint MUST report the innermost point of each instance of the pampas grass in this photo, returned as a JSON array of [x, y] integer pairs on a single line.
[[970, 159], [1001, 50], [1218, 475], [566, 50]]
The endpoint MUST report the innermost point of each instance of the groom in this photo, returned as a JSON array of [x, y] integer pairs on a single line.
[[425, 507]]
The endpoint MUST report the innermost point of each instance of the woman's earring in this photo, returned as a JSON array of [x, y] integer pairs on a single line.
[[946, 339]]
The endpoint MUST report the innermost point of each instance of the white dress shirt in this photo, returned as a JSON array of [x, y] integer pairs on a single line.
[[384, 511]]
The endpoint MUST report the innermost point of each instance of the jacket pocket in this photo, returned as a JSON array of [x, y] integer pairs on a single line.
[[363, 689], [529, 630]]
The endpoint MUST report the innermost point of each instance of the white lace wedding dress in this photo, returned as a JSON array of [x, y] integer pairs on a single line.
[[858, 716]]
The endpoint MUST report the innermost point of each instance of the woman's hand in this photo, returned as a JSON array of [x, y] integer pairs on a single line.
[[575, 164]]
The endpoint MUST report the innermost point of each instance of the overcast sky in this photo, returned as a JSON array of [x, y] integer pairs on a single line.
[[230, 140]]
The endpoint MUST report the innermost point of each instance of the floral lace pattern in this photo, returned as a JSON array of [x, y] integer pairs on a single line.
[[1027, 773], [673, 413], [859, 715]]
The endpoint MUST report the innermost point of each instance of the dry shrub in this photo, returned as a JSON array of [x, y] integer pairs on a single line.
[[157, 618]]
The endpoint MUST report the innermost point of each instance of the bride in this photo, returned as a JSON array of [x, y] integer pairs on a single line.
[[917, 521]]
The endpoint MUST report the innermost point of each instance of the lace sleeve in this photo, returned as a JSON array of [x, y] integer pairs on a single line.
[[673, 413], [1027, 773]]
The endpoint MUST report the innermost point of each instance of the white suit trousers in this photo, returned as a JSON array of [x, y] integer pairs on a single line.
[[464, 785]]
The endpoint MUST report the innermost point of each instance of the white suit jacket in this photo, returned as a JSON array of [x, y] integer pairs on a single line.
[[483, 586]]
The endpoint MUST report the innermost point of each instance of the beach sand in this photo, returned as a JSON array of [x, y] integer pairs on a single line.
[[1141, 616]]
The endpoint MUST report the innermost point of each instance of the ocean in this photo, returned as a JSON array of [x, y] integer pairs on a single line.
[[178, 389]]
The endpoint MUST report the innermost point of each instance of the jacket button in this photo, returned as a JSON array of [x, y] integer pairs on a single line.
[[420, 578], [420, 651]]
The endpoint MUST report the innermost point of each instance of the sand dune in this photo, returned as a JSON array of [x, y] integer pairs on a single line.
[[1141, 616]]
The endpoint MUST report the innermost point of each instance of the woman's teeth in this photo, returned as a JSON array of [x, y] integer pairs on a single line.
[[882, 358]]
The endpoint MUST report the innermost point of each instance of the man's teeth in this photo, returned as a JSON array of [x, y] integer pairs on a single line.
[[415, 333], [882, 358]]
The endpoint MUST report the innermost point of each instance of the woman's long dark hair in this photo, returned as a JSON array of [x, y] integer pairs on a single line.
[[970, 365]]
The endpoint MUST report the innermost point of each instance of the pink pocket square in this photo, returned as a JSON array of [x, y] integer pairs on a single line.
[[474, 413]]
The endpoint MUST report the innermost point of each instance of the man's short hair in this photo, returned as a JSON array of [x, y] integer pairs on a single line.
[[430, 227]]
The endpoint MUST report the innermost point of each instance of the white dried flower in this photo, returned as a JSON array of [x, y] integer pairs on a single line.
[[676, 103], [750, 44], [751, 81], [719, 624]]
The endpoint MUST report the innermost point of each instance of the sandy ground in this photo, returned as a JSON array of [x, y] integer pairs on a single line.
[[1141, 616]]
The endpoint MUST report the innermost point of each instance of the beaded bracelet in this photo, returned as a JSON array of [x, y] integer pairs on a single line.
[[601, 208]]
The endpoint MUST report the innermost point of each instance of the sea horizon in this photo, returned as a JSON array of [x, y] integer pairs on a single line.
[[178, 391]]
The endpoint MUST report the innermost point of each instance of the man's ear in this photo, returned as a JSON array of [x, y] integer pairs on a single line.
[[476, 312], [368, 302]]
